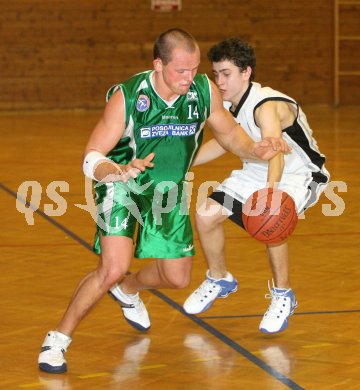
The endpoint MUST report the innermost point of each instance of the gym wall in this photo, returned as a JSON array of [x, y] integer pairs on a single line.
[[61, 54]]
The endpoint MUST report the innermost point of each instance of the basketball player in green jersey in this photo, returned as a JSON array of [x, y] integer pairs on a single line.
[[150, 131]]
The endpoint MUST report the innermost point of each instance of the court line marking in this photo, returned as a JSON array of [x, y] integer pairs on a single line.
[[94, 375], [35, 245], [49, 219], [295, 314], [231, 343], [226, 340], [30, 385]]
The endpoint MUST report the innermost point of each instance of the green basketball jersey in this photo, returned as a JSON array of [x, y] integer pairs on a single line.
[[172, 130], [156, 198]]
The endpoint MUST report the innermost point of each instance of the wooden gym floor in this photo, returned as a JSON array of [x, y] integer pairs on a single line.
[[43, 256]]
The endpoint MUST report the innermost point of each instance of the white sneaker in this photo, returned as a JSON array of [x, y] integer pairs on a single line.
[[210, 289], [282, 306], [133, 308], [51, 357]]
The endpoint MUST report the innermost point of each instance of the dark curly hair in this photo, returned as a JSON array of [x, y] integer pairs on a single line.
[[235, 50]]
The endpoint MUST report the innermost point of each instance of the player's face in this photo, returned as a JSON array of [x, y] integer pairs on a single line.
[[179, 73], [231, 81]]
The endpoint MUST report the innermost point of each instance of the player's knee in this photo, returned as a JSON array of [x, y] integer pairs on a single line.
[[113, 277], [205, 222], [180, 283], [184, 281], [178, 280], [199, 220], [108, 276]]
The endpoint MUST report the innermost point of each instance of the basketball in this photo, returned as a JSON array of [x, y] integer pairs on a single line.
[[269, 215]]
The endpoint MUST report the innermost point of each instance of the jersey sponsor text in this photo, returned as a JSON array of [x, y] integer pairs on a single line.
[[171, 129]]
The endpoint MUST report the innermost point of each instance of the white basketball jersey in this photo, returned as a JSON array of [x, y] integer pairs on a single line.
[[304, 176], [305, 155]]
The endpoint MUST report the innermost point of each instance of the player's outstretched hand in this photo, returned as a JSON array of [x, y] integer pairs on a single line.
[[135, 167], [269, 147]]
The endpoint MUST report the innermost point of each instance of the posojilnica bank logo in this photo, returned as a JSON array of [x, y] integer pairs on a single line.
[[143, 103]]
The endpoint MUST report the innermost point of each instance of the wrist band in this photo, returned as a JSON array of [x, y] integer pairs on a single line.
[[90, 161]]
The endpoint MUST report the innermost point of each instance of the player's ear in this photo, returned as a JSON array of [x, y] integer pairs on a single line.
[[247, 73], [158, 65]]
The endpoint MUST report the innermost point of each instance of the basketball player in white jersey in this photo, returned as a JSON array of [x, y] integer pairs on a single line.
[[262, 112]]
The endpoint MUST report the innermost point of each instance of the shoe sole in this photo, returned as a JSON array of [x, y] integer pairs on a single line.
[[284, 325], [132, 323], [137, 326], [52, 370]]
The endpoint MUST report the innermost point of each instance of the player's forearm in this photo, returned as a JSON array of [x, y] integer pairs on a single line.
[[208, 152], [275, 170], [238, 142]]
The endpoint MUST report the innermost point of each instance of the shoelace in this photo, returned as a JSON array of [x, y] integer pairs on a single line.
[[276, 307], [134, 302], [139, 306], [59, 352], [207, 287], [57, 348]]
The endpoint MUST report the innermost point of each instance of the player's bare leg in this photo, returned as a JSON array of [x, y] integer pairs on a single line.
[[209, 224], [114, 262], [164, 273], [278, 259], [218, 283]]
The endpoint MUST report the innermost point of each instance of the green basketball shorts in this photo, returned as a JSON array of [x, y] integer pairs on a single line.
[[163, 234]]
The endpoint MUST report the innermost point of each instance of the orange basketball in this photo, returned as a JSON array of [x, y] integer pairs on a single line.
[[269, 215]]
